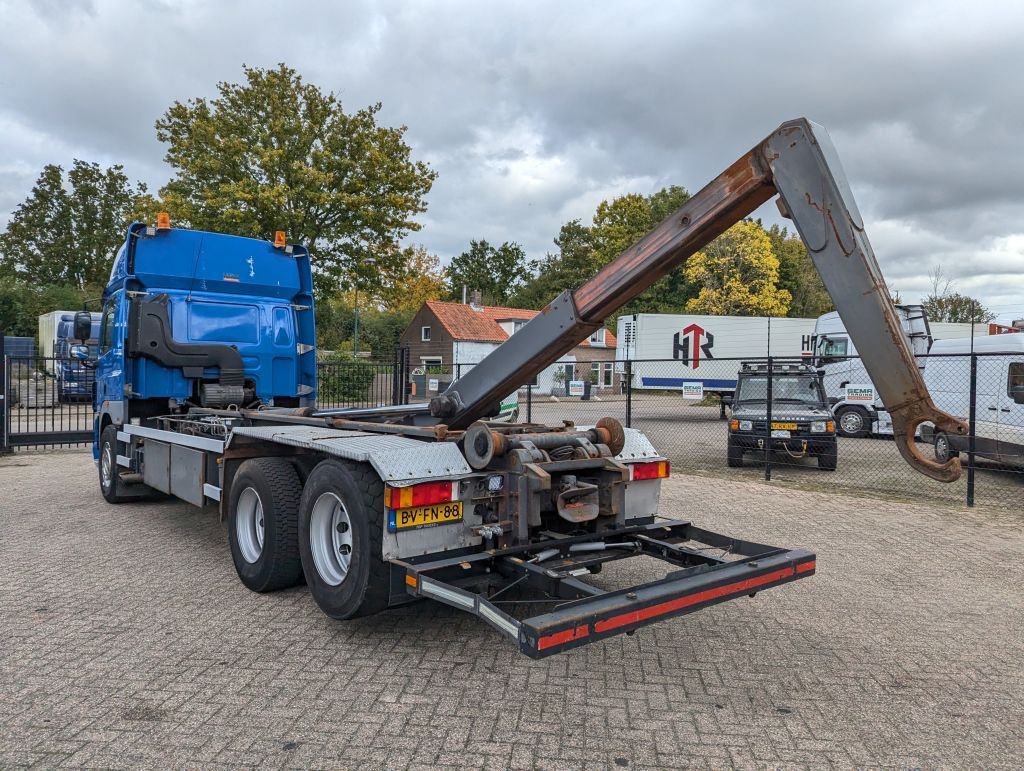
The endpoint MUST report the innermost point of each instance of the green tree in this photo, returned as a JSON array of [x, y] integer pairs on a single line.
[[738, 275], [66, 231], [567, 268], [798, 276], [420, 278], [945, 304], [496, 272], [277, 153]]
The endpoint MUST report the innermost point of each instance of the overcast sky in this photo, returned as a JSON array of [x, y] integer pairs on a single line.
[[532, 113]]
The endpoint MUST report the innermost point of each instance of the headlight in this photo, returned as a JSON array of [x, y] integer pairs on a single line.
[[746, 425], [818, 427]]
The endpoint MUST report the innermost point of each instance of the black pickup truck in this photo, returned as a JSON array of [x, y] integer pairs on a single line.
[[801, 421]]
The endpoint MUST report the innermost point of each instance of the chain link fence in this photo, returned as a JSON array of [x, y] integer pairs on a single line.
[[807, 429]]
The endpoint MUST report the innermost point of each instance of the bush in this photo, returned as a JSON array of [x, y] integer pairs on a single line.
[[344, 379]]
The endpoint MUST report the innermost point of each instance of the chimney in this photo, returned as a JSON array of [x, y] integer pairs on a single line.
[[475, 300]]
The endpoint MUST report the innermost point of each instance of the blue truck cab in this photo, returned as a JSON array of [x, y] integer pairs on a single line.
[[197, 319], [74, 379]]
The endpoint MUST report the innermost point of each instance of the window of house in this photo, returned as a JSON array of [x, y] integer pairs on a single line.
[[430, 361], [602, 372], [517, 325], [425, 334], [598, 337]]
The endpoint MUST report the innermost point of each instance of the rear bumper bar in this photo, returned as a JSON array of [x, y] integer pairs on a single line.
[[584, 613]]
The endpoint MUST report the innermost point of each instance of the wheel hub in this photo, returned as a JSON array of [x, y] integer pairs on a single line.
[[249, 526], [330, 538]]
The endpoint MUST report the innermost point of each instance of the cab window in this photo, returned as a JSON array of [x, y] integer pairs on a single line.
[[107, 327]]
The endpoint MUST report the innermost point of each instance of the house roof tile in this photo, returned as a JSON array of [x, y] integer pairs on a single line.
[[468, 324]]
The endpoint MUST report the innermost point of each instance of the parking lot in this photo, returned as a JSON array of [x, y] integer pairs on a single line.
[[128, 642]]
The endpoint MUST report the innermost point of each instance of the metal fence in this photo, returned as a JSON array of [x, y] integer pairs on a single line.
[[691, 426]]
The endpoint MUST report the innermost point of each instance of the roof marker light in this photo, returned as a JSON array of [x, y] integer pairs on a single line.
[[163, 221], [279, 239]]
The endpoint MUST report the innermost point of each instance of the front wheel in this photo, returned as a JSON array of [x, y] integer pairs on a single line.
[[111, 485], [943, 451], [341, 532], [852, 422], [829, 459], [734, 455]]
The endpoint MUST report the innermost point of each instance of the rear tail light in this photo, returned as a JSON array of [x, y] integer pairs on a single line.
[[420, 495], [659, 469]]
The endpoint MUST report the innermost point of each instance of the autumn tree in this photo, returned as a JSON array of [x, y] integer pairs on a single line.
[[798, 276], [945, 304], [496, 272], [65, 233], [419, 279], [277, 153], [738, 275]]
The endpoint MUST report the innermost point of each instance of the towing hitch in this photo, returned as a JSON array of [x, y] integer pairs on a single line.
[[582, 613]]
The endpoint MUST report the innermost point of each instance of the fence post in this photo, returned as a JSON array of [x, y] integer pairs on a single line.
[[629, 393], [529, 402], [768, 428], [971, 436], [5, 390]]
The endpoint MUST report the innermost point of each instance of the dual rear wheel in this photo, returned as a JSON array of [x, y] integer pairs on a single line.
[[329, 530]]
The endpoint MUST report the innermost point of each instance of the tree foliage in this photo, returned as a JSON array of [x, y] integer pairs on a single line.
[[945, 304], [798, 276], [584, 250], [738, 275], [277, 153], [420, 278], [65, 233], [496, 272]]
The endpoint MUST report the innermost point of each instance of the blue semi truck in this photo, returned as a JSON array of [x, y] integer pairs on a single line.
[[206, 390]]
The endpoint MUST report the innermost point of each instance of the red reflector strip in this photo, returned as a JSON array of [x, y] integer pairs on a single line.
[[807, 567], [653, 611], [560, 638]]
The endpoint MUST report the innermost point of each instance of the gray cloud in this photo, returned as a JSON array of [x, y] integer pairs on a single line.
[[533, 112]]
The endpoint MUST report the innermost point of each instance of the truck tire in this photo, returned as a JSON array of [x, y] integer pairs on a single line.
[[263, 524], [341, 533], [829, 460], [733, 455], [853, 422], [112, 487], [943, 450]]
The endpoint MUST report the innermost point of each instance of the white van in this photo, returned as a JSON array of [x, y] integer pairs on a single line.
[[999, 409]]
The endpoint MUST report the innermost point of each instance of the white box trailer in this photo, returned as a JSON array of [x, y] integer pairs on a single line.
[[50, 333], [697, 354]]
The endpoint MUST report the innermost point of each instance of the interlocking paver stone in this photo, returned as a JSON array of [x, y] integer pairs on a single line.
[[126, 641]]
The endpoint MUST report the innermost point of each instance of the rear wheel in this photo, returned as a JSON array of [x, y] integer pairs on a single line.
[[734, 455], [943, 450], [263, 524], [852, 422], [341, 532]]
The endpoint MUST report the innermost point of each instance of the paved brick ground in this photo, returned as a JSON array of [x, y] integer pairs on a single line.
[[127, 641]]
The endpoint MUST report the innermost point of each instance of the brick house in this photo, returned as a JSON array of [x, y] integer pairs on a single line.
[[444, 335]]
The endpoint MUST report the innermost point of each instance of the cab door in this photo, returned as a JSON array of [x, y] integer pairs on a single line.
[[110, 357], [1011, 413]]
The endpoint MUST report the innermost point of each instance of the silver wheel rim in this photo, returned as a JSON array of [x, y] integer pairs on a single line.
[[941, 449], [851, 422], [107, 466], [330, 538], [249, 525]]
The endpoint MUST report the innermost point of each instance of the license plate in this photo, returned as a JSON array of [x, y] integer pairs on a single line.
[[786, 426], [779, 434], [424, 516]]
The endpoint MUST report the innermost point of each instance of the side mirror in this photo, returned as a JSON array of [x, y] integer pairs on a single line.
[[83, 326], [79, 352]]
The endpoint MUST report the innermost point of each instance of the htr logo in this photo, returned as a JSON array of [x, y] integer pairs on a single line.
[[689, 346]]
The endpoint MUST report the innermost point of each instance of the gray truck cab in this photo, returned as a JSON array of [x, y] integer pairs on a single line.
[[801, 418]]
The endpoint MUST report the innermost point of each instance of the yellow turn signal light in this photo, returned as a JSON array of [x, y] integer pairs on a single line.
[[279, 239], [734, 425], [163, 221]]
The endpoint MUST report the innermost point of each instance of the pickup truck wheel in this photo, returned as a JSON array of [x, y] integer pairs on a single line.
[[734, 455], [829, 460], [943, 451], [263, 524], [852, 422], [341, 532], [113, 488]]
